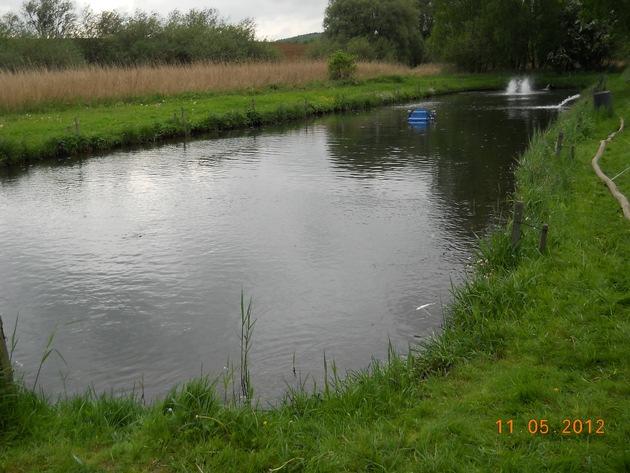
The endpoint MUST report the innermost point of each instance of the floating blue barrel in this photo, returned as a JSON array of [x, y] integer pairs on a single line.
[[420, 116]]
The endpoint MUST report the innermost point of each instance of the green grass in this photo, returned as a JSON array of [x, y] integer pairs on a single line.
[[537, 339]]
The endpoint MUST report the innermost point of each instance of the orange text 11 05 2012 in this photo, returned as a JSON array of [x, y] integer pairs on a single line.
[[544, 427]]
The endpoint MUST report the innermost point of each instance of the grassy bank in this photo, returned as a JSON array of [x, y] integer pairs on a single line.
[[56, 114], [537, 341]]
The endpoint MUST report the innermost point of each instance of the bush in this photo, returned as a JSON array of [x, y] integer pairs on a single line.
[[341, 66], [21, 53]]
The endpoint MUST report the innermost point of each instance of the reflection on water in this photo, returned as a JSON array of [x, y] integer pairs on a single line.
[[338, 229]]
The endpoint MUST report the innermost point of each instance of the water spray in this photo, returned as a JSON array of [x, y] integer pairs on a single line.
[[519, 86]]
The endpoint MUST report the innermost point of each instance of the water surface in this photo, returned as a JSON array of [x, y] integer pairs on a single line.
[[338, 229]]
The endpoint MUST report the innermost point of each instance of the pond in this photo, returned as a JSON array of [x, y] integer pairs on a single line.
[[338, 229]]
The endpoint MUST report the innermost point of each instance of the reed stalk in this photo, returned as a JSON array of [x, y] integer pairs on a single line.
[[247, 331]]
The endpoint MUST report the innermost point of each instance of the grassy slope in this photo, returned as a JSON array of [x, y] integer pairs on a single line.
[[532, 337]]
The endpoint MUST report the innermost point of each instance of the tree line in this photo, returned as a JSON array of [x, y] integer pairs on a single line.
[[50, 33], [478, 35], [475, 35]]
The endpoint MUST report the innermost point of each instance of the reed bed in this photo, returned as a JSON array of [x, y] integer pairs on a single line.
[[88, 84]]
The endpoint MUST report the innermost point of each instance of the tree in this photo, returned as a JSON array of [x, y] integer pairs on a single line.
[[616, 14], [11, 25], [508, 39], [180, 38], [425, 17], [457, 34], [586, 41], [477, 35], [394, 22], [50, 18], [545, 30], [101, 25]]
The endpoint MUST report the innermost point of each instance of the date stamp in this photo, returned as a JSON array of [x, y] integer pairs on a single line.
[[544, 427]]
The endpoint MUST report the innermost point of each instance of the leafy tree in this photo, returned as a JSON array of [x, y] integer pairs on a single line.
[[587, 42], [545, 33], [101, 25], [40, 36], [378, 21], [50, 18], [379, 49], [203, 34], [458, 34], [57, 37], [478, 35], [181, 38], [139, 40], [22, 53], [616, 14], [186, 36], [425, 17], [11, 25], [508, 40]]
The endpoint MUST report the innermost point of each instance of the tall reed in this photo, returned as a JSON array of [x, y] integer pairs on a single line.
[[87, 84], [247, 330]]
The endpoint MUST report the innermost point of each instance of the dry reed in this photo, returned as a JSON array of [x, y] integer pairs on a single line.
[[94, 83]]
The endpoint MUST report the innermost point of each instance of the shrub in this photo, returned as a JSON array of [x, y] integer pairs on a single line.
[[341, 66], [56, 53]]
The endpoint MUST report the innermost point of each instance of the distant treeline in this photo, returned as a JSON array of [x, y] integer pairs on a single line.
[[48, 33], [479, 35], [474, 35]]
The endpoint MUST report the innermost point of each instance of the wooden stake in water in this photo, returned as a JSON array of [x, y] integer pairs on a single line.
[[5, 363], [516, 226]]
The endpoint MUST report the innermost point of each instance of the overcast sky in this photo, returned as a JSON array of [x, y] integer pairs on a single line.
[[274, 19]]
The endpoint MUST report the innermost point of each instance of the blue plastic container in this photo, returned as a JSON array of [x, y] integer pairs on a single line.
[[421, 116]]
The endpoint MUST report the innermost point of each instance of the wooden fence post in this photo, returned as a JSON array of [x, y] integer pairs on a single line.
[[559, 143], [5, 363], [184, 123], [516, 226], [543, 238], [76, 125]]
